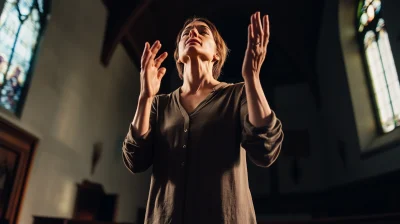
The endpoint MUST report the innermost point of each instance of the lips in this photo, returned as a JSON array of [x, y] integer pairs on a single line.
[[192, 41]]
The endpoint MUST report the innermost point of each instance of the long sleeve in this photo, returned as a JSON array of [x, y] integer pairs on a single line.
[[262, 144], [138, 152]]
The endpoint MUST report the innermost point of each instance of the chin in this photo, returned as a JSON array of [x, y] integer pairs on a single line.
[[194, 52]]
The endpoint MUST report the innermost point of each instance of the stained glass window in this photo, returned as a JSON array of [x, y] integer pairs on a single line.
[[379, 60], [21, 26]]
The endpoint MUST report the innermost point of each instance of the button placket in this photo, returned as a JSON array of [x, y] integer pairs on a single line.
[[185, 135], [185, 139]]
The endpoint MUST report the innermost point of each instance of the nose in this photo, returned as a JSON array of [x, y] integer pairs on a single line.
[[193, 32]]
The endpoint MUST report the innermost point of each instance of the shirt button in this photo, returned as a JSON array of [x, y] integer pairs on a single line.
[[184, 146], [185, 130]]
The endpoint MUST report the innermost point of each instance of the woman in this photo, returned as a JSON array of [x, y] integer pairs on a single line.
[[197, 137]]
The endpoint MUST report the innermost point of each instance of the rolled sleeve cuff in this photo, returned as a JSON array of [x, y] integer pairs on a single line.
[[250, 129], [138, 142]]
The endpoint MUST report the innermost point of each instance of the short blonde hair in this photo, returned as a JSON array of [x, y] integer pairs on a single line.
[[222, 48]]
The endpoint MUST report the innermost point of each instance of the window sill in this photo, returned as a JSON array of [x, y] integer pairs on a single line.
[[382, 144]]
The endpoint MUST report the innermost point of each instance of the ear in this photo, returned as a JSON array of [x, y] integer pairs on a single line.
[[216, 58]]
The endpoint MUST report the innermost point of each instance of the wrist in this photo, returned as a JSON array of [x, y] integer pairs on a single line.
[[252, 74], [251, 78], [145, 99]]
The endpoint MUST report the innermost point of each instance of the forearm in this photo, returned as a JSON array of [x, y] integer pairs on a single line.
[[141, 121], [258, 107]]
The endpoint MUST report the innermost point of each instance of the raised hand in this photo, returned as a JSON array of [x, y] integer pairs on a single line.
[[150, 71], [257, 41]]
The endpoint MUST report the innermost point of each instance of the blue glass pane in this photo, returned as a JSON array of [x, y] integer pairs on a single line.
[[25, 6], [11, 91], [40, 2], [369, 10], [17, 45], [9, 24], [377, 5], [12, 1]]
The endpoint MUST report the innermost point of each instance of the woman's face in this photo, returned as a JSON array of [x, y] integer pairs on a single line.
[[197, 40]]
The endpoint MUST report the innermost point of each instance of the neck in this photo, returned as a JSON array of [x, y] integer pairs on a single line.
[[198, 76]]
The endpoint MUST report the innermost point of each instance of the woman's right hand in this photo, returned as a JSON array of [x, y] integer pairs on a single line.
[[150, 71]]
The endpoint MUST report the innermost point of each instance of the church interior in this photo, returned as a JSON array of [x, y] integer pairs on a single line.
[[69, 85]]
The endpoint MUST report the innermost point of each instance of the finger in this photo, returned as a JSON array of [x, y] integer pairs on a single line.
[[252, 27], [149, 54], [250, 35], [147, 59], [256, 28], [266, 30], [155, 48], [160, 59], [259, 25], [154, 45], [253, 23], [161, 72], [144, 55], [152, 53]]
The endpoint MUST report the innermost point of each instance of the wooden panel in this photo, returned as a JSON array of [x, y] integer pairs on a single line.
[[93, 204], [48, 220], [17, 149], [8, 168]]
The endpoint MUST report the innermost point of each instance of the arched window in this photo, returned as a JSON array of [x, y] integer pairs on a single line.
[[21, 25], [384, 80]]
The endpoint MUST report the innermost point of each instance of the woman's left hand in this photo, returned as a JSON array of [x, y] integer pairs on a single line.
[[257, 41]]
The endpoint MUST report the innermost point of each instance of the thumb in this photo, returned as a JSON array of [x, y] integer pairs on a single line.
[[161, 72]]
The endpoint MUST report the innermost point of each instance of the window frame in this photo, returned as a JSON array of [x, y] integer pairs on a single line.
[[361, 39], [44, 18]]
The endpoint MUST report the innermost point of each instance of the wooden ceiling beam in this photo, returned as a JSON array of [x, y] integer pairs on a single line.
[[131, 48], [119, 24]]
